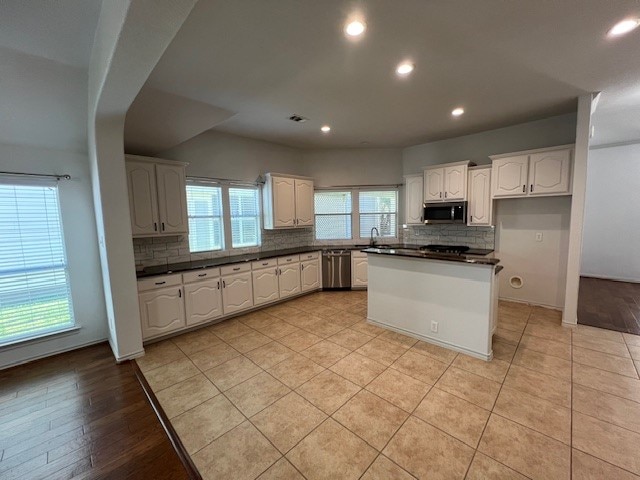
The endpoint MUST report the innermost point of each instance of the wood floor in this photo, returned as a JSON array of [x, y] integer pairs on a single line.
[[80, 415], [609, 304]]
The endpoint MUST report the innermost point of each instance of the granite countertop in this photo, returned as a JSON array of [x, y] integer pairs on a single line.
[[475, 256]]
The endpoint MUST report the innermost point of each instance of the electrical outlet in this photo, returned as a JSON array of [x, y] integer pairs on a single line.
[[538, 236], [434, 327]]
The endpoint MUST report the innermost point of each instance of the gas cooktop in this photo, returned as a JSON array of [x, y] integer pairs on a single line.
[[455, 249]]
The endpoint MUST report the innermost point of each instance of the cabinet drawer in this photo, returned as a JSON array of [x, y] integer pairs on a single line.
[[309, 256], [266, 263], [203, 274], [159, 282], [289, 259], [235, 268]]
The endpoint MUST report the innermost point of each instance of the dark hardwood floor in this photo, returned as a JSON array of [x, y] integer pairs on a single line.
[[81, 415], [609, 304]]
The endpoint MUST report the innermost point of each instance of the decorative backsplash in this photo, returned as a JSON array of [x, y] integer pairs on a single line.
[[446, 234]]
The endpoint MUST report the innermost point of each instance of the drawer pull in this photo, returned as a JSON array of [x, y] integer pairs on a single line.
[[202, 274], [236, 269], [160, 283], [265, 263], [289, 259]]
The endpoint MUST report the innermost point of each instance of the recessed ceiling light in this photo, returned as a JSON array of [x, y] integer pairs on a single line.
[[325, 129], [625, 26], [405, 68], [355, 28], [456, 112]]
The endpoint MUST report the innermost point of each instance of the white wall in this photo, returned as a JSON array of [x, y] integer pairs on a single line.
[[222, 155], [612, 218], [78, 220], [541, 265], [360, 166]]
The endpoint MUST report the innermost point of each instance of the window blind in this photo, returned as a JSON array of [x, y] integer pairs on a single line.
[[380, 210], [333, 215], [35, 297], [244, 204], [204, 209]]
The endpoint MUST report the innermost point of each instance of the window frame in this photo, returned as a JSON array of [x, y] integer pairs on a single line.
[[355, 211], [72, 324], [258, 216], [316, 215], [221, 216]]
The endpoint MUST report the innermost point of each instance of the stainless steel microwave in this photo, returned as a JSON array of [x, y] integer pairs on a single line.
[[448, 212]]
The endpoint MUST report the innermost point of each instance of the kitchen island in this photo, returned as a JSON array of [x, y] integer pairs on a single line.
[[449, 300]]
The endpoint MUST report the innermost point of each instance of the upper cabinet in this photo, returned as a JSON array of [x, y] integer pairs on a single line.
[[413, 199], [287, 201], [480, 209], [446, 183], [157, 196], [543, 172]]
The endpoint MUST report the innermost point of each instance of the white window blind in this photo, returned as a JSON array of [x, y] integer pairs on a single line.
[[204, 208], [378, 209], [244, 204], [333, 215], [35, 298]]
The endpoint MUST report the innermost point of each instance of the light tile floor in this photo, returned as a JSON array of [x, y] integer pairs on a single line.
[[308, 389]]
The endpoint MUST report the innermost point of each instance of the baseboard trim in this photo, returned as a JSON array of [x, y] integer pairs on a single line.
[[56, 352], [179, 448], [613, 279], [534, 304]]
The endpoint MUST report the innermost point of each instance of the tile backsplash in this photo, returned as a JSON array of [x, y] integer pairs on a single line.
[[175, 249]]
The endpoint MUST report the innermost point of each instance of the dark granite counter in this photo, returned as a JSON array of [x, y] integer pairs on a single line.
[[475, 256]]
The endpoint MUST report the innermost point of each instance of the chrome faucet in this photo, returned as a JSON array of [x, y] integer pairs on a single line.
[[372, 242]]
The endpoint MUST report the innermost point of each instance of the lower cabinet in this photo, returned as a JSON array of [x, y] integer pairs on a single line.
[[359, 269], [162, 311], [310, 275], [265, 285], [203, 301], [237, 292], [289, 281]]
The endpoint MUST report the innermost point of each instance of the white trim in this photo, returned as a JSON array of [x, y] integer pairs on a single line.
[[535, 150], [141, 158], [55, 352], [131, 356], [615, 144], [20, 342], [613, 279], [533, 304], [468, 163]]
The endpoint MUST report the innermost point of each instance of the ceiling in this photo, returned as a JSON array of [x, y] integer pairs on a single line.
[[504, 62]]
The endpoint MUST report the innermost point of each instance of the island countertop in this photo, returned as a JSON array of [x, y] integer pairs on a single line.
[[479, 259]]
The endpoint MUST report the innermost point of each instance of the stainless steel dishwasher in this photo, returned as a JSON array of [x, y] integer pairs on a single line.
[[336, 269]]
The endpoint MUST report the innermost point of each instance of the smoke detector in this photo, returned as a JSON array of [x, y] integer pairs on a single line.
[[298, 118]]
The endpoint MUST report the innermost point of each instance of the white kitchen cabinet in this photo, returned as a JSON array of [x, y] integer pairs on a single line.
[[542, 172], [287, 201], [446, 183], [480, 208], [549, 172], [359, 269], [161, 311], [237, 292], [413, 199], [289, 280], [310, 275], [265, 285], [203, 301], [157, 196]]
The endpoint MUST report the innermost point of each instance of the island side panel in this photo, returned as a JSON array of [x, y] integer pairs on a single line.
[[407, 294]]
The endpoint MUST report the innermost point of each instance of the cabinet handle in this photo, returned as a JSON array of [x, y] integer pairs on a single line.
[[265, 263], [160, 283], [302, 266], [276, 271], [180, 293], [163, 226], [524, 188], [440, 194], [445, 194], [202, 274], [531, 189], [471, 219], [218, 284], [155, 226], [236, 269], [224, 285]]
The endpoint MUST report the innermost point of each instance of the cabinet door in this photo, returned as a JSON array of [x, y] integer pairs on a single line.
[[549, 172], [284, 202], [161, 311], [455, 182], [237, 292], [289, 280], [172, 198], [203, 301], [304, 203], [143, 202], [359, 271], [265, 285], [413, 195], [480, 202], [509, 176], [310, 275], [433, 183]]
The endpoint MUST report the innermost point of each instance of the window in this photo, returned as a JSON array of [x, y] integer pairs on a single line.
[[35, 298], [333, 215], [244, 205], [204, 207], [379, 210]]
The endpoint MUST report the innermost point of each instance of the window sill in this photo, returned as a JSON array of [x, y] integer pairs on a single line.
[[37, 339]]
